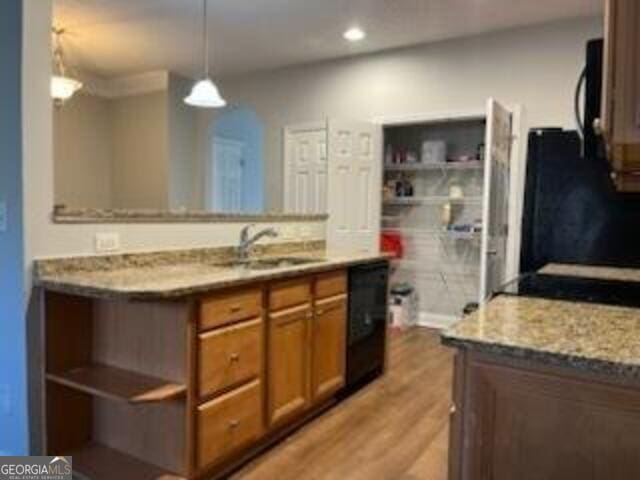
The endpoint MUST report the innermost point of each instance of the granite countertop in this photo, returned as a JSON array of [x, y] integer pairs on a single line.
[[62, 214], [585, 336], [181, 275], [592, 272]]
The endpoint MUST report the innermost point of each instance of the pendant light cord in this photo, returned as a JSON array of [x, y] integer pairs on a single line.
[[205, 39]]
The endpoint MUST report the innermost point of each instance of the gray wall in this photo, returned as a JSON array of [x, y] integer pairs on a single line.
[[535, 66], [83, 149]]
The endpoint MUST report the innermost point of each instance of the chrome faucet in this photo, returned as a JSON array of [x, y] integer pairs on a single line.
[[247, 241]]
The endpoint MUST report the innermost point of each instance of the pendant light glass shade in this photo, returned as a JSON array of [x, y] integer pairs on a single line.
[[205, 94], [63, 88], [62, 85]]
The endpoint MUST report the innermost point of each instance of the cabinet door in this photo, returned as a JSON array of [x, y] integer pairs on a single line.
[[288, 363], [329, 346], [621, 91]]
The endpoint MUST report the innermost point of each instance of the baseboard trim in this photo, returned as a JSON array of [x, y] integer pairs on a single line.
[[436, 320]]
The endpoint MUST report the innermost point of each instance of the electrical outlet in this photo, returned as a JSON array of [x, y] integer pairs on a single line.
[[107, 242], [3, 216]]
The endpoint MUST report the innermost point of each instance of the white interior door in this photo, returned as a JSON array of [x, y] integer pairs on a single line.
[[495, 230], [305, 166], [227, 175], [354, 186]]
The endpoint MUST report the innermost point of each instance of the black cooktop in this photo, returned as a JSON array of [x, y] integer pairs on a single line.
[[559, 287]]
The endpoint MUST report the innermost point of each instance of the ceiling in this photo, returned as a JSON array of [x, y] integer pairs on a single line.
[[121, 37]]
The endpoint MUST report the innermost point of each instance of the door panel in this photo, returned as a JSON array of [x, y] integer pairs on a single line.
[[496, 199], [329, 346], [354, 186], [288, 363], [306, 169], [228, 168]]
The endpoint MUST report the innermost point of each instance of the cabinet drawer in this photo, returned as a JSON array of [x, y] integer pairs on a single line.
[[289, 293], [228, 423], [231, 306], [331, 284], [229, 356]]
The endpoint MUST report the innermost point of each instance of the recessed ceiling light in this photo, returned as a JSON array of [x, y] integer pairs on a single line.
[[354, 34]]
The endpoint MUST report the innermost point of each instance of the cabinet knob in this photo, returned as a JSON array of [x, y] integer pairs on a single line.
[[233, 424], [319, 312], [234, 357], [452, 410], [309, 315], [235, 308]]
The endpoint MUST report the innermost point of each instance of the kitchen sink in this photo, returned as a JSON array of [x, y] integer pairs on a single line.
[[273, 262]]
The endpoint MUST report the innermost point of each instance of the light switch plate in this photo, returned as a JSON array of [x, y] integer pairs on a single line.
[[107, 242], [3, 216]]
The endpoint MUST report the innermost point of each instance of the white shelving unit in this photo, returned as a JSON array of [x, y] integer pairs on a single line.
[[436, 200], [442, 264], [418, 166]]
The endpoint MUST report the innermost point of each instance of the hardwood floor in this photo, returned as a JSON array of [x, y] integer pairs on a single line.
[[396, 428]]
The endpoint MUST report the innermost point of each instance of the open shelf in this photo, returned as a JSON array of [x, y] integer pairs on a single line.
[[434, 200], [416, 167], [118, 384], [97, 462]]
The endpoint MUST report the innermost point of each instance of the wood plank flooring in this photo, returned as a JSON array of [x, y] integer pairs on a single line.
[[396, 428]]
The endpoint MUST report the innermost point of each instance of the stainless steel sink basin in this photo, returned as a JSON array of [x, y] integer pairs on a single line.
[[271, 263]]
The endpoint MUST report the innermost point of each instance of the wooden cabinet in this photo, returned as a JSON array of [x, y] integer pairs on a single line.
[[228, 423], [229, 356], [185, 389], [288, 363], [306, 343], [231, 306], [328, 346], [525, 421], [620, 120]]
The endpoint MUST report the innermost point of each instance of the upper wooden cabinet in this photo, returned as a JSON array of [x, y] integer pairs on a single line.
[[621, 95]]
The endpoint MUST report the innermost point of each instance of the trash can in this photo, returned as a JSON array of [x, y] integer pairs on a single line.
[[403, 306]]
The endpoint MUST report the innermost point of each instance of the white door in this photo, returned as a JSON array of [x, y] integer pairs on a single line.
[[495, 216], [227, 175], [354, 187], [306, 169]]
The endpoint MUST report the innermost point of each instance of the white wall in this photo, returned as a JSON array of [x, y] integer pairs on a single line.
[[43, 238], [536, 66]]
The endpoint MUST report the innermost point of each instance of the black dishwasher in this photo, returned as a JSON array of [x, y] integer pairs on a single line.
[[368, 285]]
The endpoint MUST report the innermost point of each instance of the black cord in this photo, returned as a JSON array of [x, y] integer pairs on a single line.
[[576, 101]]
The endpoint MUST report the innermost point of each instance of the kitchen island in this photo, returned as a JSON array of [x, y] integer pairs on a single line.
[[185, 364], [546, 389]]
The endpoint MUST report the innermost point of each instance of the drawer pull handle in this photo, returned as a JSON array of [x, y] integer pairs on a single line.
[[234, 357], [235, 308], [319, 312], [233, 424]]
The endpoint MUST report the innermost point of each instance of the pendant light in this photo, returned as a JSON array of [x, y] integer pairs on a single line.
[[63, 87], [204, 93]]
